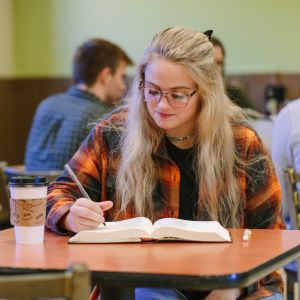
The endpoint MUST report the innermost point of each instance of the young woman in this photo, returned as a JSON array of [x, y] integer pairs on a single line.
[[180, 149]]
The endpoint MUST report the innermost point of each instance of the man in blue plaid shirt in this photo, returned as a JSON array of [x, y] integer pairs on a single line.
[[61, 121]]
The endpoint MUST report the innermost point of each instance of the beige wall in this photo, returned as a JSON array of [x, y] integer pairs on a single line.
[[7, 54], [261, 36]]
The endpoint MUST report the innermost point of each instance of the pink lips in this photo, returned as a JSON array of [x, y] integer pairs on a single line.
[[163, 115]]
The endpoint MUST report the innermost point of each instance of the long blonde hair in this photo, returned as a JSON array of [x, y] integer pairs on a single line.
[[216, 159]]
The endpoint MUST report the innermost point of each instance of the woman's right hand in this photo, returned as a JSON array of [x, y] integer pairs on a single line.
[[85, 214]]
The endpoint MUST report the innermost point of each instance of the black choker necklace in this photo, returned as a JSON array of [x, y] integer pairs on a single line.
[[179, 138]]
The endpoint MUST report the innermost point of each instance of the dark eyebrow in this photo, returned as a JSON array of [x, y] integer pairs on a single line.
[[173, 88]]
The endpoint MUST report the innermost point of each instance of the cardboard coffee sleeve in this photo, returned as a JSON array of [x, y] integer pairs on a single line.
[[28, 212]]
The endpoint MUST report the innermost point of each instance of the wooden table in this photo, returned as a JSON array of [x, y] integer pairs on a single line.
[[202, 266]]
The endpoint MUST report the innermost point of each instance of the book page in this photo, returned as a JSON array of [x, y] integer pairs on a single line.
[[190, 230], [131, 230], [135, 223]]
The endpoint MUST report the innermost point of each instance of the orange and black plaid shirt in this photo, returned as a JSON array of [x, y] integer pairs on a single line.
[[97, 160]]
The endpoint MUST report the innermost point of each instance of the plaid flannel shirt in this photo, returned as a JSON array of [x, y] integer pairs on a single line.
[[96, 163]]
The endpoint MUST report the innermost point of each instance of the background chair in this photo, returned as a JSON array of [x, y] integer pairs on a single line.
[[4, 198], [19, 170], [292, 179], [293, 202], [73, 284]]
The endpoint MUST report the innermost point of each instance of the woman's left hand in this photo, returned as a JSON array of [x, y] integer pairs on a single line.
[[228, 294]]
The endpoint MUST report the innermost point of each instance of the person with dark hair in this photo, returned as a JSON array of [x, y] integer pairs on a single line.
[[61, 121], [235, 93]]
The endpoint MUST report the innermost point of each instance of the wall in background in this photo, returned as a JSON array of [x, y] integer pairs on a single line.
[[260, 36], [7, 54], [38, 39], [19, 98]]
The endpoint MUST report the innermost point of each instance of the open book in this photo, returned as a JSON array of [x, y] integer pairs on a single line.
[[138, 229]]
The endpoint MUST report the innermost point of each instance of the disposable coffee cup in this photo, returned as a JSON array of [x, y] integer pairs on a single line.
[[28, 197]]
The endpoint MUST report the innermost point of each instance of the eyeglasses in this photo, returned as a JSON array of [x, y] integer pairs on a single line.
[[175, 99]]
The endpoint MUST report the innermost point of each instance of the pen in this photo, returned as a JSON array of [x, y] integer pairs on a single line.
[[74, 177]]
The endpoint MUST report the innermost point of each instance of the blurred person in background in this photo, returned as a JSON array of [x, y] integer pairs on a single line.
[[235, 93], [286, 146], [61, 121], [257, 120]]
